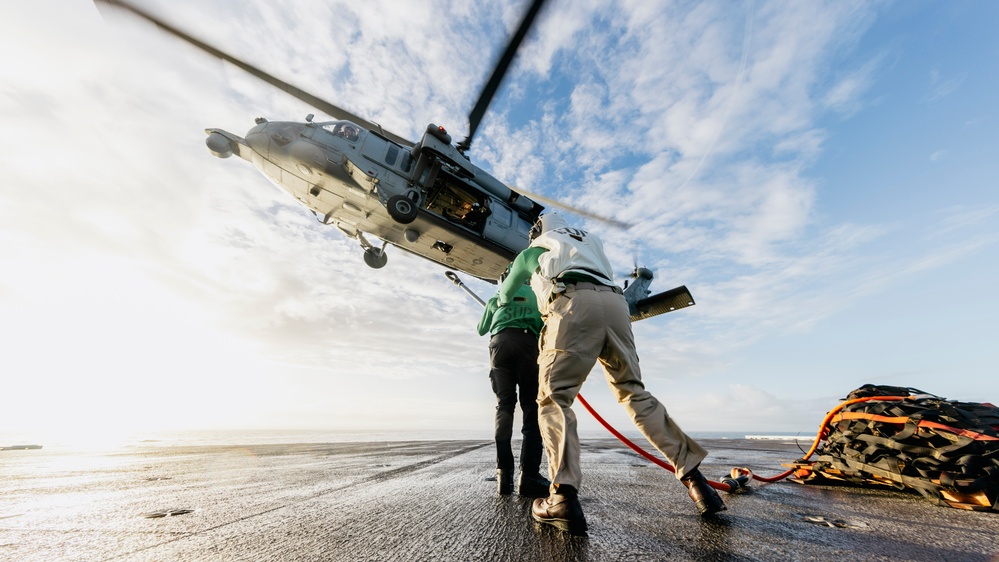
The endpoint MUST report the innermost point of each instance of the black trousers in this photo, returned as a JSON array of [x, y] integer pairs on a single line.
[[513, 357]]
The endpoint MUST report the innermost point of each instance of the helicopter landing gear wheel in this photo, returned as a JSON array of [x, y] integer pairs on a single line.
[[402, 209], [376, 258]]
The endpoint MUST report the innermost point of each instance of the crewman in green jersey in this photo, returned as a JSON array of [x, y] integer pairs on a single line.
[[513, 359]]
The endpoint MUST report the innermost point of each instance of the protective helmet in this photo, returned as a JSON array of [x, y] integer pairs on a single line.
[[548, 221]]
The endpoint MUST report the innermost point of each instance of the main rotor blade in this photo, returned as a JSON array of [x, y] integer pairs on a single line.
[[574, 210], [475, 117], [317, 102]]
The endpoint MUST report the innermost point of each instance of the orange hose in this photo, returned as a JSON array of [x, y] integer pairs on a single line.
[[823, 428], [624, 439]]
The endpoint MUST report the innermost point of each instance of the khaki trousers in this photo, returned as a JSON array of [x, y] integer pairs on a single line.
[[589, 323]]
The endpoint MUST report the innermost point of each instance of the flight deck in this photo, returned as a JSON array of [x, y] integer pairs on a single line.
[[436, 500]]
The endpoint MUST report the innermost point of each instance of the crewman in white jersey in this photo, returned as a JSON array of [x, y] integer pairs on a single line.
[[586, 320]]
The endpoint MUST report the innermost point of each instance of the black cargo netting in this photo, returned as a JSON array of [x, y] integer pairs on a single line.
[[947, 451]]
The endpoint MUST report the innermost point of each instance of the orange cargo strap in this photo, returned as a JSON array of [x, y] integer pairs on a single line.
[[922, 423]]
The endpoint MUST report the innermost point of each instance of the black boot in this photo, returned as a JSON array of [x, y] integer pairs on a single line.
[[561, 510], [533, 485], [504, 481], [707, 499]]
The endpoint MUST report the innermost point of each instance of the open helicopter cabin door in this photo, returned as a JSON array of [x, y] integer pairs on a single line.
[[475, 211]]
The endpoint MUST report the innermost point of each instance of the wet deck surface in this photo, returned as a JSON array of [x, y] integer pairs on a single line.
[[435, 500]]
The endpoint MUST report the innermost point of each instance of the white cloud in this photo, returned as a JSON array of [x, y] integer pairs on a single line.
[[137, 262], [942, 86], [939, 155], [846, 95]]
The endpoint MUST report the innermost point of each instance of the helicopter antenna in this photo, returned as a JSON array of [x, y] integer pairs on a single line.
[[475, 117]]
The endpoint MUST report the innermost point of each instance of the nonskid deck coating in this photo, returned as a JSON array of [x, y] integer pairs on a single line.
[[436, 500]]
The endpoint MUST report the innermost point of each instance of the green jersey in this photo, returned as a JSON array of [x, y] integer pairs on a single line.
[[522, 312]]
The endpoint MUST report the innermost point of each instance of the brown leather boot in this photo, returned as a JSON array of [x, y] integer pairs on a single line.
[[561, 511], [707, 499]]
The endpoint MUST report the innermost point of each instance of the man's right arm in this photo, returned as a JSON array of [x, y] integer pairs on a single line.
[[524, 265]]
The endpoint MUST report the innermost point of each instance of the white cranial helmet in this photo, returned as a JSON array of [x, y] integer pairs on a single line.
[[548, 221]]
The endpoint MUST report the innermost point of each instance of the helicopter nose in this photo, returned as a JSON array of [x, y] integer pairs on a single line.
[[258, 140], [267, 138], [284, 144]]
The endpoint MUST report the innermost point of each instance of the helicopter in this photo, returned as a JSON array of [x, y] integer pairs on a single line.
[[425, 197]]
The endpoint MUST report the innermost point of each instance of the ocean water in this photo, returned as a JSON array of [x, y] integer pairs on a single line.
[[106, 441], [102, 441]]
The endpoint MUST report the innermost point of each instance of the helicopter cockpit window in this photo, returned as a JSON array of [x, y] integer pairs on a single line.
[[344, 129], [393, 155], [348, 132]]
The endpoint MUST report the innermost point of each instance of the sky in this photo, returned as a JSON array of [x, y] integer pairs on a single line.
[[821, 176]]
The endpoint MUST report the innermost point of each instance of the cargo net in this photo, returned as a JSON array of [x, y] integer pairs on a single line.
[[910, 440]]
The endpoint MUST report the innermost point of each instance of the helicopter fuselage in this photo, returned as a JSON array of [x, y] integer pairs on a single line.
[[426, 198]]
